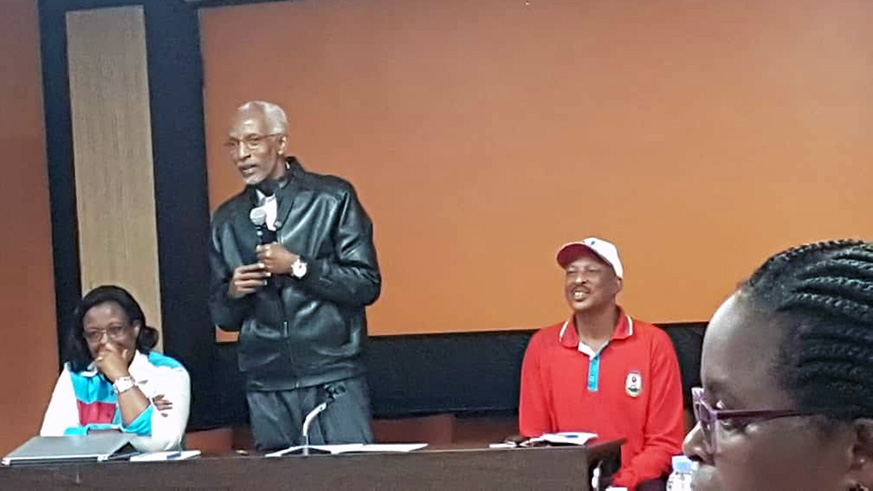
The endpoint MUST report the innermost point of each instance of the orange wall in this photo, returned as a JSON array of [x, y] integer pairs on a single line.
[[699, 136], [29, 347]]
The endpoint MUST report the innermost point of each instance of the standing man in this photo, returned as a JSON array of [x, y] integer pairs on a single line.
[[604, 372], [295, 287]]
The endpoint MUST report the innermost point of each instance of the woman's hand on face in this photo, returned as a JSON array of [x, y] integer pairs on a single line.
[[112, 362]]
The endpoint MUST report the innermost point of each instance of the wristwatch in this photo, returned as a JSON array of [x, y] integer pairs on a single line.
[[298, 269], [123, 384]]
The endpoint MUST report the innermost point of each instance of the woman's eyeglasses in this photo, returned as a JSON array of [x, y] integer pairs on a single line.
[[708, 417], [115, 333]]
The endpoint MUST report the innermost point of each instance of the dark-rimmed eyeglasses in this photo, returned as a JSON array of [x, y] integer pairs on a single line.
[[115, 333], [252, 142], [708, 417]]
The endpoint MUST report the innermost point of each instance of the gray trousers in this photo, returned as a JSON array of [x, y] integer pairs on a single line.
[[277, 416]]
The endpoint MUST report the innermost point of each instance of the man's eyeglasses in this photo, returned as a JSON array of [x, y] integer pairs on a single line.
[[732, 419], [114, 333], [251, 143]]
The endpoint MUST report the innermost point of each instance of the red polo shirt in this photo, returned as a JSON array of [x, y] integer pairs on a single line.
[[630, 389]]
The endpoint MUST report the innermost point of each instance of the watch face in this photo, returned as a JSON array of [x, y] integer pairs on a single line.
[[298, 269]]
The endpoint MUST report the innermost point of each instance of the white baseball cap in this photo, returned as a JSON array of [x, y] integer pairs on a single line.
[[602, 248]]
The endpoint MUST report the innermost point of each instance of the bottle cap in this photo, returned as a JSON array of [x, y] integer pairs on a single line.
[[682, 463]]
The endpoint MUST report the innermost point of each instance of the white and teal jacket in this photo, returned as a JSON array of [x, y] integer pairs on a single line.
[[86, 400]]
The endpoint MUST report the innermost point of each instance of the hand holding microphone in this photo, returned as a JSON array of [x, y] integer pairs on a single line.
[[276, 259], [273, 257], [258, 217], [249, 278]]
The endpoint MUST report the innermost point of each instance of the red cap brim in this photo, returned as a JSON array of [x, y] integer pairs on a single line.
[[572, 251]]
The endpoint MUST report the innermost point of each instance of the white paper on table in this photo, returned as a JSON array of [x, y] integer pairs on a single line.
[[161, 456], [390, 447], [502, 445], [353, 448], [564, 438]]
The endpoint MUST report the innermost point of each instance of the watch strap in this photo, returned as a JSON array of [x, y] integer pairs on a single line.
[[123, 384]]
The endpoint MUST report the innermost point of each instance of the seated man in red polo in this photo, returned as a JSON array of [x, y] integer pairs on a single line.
[[604, 372]]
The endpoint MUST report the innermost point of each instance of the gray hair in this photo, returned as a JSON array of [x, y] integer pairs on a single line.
[[274, 115]]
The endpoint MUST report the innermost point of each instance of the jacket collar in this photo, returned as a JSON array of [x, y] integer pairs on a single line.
[[285, 188], [293, 171]]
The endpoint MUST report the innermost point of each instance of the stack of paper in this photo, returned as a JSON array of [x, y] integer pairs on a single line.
[[563, 438], [351, 448], [171, 455]]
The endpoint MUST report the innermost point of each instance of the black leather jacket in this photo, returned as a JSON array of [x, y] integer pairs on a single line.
[[298, 332]]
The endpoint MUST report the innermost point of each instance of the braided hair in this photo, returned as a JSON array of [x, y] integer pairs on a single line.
[[822, 294]]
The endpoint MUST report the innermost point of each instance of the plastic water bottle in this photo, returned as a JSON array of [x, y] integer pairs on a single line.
[[680, 478]]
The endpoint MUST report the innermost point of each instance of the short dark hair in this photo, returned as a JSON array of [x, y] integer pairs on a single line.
[[76, 351], [822, 295]]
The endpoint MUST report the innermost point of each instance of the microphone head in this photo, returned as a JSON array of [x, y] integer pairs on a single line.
[[258, 216], [334, 390]]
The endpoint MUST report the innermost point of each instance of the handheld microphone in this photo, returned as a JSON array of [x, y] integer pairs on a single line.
[[333, 391], [258, 217]]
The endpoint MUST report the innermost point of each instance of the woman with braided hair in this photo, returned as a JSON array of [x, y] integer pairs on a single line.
[[787, 371]]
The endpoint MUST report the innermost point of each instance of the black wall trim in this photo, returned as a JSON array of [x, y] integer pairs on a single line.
[[59, 151], [181, 192]]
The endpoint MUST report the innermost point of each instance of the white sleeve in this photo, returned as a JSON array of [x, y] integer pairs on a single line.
[[62, 411], [168, 427]]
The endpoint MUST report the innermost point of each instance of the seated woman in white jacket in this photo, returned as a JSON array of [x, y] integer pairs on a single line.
[[112, 380]]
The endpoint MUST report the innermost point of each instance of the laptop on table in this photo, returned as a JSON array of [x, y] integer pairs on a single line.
[[94, 447]]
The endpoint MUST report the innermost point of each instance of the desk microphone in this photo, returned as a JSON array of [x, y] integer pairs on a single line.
[[333, 391]]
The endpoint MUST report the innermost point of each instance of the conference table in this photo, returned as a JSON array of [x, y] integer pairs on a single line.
[[540, 468]]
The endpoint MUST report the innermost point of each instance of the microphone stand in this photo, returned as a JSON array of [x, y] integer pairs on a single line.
[[332, 393], [307, 422]]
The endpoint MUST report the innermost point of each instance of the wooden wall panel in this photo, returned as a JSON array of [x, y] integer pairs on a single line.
[[112, 145]]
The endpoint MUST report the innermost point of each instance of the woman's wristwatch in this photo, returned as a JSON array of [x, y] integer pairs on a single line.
[[123, 384]]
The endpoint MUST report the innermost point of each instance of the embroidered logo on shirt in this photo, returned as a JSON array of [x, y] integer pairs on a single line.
[[633, 384]]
